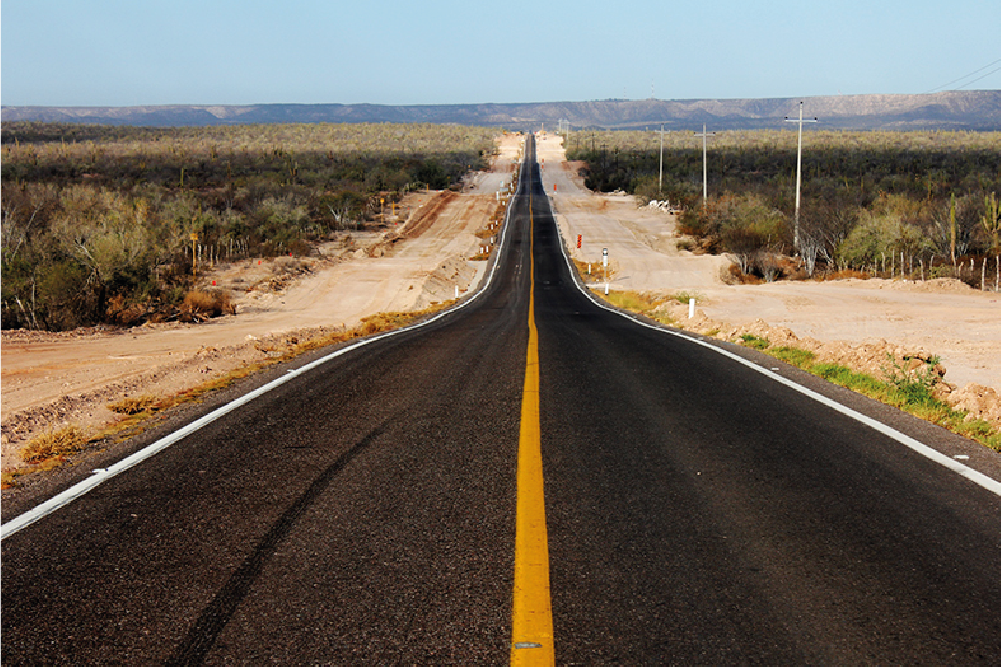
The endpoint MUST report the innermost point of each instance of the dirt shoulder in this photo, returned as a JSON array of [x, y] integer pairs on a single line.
[[856, 322], [50, 380]]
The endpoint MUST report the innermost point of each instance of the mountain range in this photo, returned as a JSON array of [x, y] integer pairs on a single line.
[[951, 110]]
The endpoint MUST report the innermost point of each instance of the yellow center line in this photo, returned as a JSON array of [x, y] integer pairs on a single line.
[[532, 612]]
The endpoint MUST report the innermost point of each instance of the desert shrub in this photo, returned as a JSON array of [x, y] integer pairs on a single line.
[[54, 444], [201, 304]]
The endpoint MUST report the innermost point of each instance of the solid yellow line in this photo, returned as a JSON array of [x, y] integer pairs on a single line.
[[532, 613]]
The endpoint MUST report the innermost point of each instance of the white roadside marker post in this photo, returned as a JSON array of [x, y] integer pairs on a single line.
[[691, 308], [604, 267]]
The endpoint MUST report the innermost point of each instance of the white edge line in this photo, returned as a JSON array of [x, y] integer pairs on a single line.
[[974, 476], [102, 474]]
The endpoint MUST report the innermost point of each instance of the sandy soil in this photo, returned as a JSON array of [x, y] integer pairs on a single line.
[[860, 321], [51, 380]]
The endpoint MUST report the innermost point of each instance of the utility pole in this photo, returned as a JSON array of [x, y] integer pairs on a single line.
[[660, 180], [799, 168], [705, 187]]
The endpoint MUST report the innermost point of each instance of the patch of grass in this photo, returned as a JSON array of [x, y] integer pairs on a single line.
[[54, 445], [846, 377], [793, 356], [915, 384], [642, 303], [684, 297], [638, 302], [758, 343]]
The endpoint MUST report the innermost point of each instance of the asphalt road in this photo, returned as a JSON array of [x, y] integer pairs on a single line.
[[698, 512]]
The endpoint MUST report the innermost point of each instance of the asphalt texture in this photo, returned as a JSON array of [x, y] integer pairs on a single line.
[[698, 513]]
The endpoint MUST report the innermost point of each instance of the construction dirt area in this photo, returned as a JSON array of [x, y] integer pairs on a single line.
[[50, 380]]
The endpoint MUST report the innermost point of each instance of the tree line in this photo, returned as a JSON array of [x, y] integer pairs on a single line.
[[868, 198], [97, 221]]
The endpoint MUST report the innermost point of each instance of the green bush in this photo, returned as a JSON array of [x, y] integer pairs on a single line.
[[758, 343]]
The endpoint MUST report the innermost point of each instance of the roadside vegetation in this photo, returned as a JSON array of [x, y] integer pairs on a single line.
[[916, 205], [98, 221]]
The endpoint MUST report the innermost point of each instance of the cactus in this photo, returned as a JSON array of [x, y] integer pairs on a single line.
[[991, 219], [952, 229]]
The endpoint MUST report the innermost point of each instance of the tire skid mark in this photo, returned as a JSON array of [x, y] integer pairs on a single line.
[[214, 618]]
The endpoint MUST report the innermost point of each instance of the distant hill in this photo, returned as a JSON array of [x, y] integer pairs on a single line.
[[953, 110]]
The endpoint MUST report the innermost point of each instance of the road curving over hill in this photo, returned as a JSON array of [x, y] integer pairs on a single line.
[[695, 510]]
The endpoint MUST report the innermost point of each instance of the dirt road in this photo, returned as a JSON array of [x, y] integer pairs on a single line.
[[50, 380]]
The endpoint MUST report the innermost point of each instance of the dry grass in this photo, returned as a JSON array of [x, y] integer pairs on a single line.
[[54, 445], [134, 406], [597, 271], [8, 479], [644, 303], [201, 304], [844, 274]]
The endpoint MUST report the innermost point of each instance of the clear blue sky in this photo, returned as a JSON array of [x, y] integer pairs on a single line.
[[132, 52]]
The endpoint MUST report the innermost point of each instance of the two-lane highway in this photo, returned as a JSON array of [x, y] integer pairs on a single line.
[[695, 511]]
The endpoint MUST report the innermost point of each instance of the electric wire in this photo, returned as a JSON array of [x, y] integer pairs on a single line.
[[966, 76]]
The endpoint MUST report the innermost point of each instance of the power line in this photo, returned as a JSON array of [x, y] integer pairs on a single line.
[[970, 83], [935, 90]]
